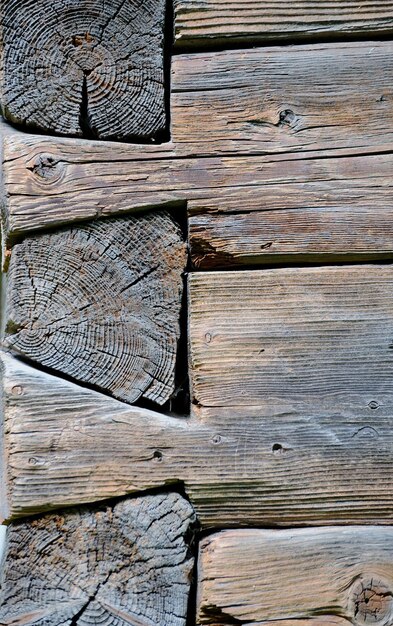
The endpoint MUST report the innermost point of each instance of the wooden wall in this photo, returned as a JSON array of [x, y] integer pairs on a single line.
[[197, 345]]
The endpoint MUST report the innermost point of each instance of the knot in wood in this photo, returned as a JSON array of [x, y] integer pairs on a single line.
[[47, 168], [372, 602]]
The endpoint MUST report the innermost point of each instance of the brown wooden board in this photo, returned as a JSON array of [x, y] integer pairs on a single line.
[[304, 338], [101, 303], [341, 219], [84, 67], [121, 563], [307, 577], [291, 375], [200, 23]]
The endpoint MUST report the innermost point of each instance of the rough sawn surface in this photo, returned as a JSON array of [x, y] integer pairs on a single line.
[[114, 565], [101, 303], [85, 67]]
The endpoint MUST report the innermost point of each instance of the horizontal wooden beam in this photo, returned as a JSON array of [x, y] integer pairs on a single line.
[[324, 577], [254, 209], [329, 220], [122, 563], [304, 338], [215, 23], [283, 99], [291, 376]]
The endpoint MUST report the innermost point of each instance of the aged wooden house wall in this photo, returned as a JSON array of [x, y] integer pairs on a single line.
[[197, 313]]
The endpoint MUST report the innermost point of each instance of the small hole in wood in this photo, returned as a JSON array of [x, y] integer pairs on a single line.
[[157, 456]]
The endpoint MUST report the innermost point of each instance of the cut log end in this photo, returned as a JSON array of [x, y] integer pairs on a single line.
[[128, 563], [85, 68], [101, 303]]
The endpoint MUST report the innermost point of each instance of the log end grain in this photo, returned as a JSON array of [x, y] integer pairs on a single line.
[[124, 563], [85, 68], [101, 303]]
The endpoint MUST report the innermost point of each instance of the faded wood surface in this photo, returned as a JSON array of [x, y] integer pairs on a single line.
[[215, 22], [101, 303], [84, 67], [297, 337], [273, 464], [249, 129], [123, 563], [343, 225], [344, 202], [290, 577]]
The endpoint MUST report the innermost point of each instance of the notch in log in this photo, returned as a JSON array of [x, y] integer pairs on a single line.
[[124, 563], [101, 304], [85, 68]]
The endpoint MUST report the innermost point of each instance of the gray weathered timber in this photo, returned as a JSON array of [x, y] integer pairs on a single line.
[[306, 577], [324, 221], [84, 67], [272, 118], [101, 303], [279, 463], [305, 338], [216, 23], [123, 563], [308, 208]]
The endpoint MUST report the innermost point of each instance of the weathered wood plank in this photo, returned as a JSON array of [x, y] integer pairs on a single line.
[[273, 464], [348, 226], [48, 184], [309, 577], [123, 563], [101, 303], [283, 99], [292, 336], [215, 23], [85, 68]]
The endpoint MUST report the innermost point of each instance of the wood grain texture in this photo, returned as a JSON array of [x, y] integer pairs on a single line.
[[258, 118], [273, 464], [310, 577], [101, 303], [357, 228], [123, 563], [283, 99], [201, 23], [85, 68], [292, 336], [345, 202]]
